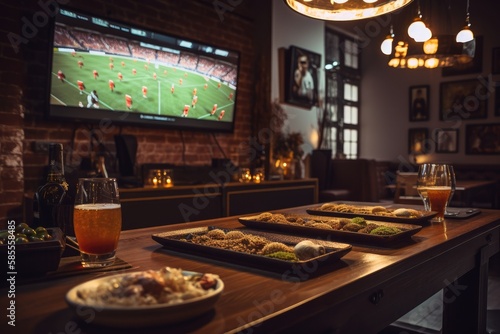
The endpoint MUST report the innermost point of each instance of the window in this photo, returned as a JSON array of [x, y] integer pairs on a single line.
[[343, 78]]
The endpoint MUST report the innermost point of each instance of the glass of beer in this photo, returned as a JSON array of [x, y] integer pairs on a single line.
[[97, 220], [423, 179], [439, 189]]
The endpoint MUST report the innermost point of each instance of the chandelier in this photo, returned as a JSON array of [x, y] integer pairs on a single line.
[[345, 10], [422, 46]]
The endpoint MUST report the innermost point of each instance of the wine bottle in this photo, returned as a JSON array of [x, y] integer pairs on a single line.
[[51, 199]]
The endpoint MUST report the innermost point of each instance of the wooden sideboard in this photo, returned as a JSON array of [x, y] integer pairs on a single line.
[[148, 206]]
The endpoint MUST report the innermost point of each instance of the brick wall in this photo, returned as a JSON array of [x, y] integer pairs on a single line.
[[23, 83]]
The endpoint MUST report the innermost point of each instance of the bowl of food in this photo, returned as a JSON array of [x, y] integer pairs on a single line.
[[145, 298], [28, 252]]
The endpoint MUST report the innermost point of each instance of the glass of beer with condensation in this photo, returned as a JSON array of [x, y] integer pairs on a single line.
[[440, 188], [97, 220]]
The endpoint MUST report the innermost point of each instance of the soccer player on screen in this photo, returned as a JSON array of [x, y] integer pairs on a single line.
[[218, 85], [172, 89], [134, 71], [144, 91], [111, 66], [195, 90], [154, 75], [93, 100], [123, 64], [96, 74], [222, 112], [128, 101], [214, 109], [120, 76], [80, 64], [111, 85], [230, 96], [193, 102], [180, 81], [81, 86], [205, 86], [61, 76], [185, 111]]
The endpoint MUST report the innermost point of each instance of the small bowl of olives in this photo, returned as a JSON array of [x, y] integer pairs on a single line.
[[31, 251]]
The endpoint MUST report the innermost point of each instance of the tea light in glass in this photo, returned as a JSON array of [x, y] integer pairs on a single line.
[[258, 175], [245, 175]]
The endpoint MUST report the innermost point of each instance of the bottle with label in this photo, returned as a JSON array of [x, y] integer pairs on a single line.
[[51, 200]]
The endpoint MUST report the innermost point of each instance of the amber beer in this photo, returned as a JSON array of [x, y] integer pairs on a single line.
[[438, 198], [97, 227]]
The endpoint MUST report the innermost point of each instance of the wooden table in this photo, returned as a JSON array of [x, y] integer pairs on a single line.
[[364, 292], [468, 189]]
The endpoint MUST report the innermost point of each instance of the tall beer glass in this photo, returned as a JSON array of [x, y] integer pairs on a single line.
[[439, 189], [97, 220]]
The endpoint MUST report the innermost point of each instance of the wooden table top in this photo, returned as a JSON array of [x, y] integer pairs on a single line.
[[257, 301]]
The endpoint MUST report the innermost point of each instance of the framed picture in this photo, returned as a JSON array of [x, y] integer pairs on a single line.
[[474, 47], [301, 77], [446, 140], [418, 140], [482, 139], [419, 103], [495, 61], [466, 99]]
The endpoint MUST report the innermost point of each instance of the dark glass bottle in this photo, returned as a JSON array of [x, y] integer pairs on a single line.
[[51, 199]]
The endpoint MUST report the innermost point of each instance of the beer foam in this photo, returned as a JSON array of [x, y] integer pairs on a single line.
[[438, 188], [98, 206]]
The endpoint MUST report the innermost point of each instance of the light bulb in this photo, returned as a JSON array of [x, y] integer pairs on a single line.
[[412, 63], [431, 63], [465, 35], [423, 35], [386, 45], [431, 46], [415, 28]]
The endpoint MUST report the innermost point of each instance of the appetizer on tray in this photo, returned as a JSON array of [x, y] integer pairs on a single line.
[[356, 229], [374, 212]]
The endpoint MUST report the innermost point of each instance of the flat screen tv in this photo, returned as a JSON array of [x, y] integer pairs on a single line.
[[101, 69]]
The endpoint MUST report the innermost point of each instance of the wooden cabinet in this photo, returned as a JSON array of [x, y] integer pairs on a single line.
[[244, 198], [144, 207]]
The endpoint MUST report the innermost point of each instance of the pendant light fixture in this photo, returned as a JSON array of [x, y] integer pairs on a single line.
[[345, 10], [465, 35], [440, 49]]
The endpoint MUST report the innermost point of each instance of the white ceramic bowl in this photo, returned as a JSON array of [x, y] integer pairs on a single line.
[[139, 316]]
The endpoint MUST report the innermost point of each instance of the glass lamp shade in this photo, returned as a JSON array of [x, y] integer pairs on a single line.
[[431, 63], [423, 35], [431, 46], [386, 45], [334, 10], [465, 35], [416, 28]]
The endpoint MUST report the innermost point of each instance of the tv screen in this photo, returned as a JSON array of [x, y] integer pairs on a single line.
[[106, 70]]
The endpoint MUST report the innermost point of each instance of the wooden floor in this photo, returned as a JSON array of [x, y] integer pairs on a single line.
[[426, 318]]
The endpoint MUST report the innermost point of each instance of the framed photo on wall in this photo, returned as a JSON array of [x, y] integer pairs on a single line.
[[466, 99], [446, 140], [482, 139], [419, 103], [417, 140], [301, 77]]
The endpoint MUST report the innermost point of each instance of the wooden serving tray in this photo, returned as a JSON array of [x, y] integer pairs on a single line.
[[175, 240], [407, 229]]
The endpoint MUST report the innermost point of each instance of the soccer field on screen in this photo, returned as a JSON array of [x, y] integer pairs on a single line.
[[159, 99]]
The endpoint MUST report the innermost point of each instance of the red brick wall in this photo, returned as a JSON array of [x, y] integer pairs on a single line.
[[23, 84]]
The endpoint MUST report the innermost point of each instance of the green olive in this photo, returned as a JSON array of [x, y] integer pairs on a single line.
[[28, 231], [21, 240], [41, 230], [21, 226], [35, 238], [4, 235]]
